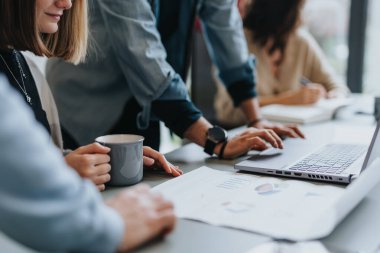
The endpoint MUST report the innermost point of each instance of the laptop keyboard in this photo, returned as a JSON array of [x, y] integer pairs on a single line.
[[330, 159]]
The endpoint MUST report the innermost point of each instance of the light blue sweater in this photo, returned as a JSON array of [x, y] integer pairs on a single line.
[[44, 204]]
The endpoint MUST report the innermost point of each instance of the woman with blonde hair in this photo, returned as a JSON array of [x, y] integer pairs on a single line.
[[45, 205], [54, 30]]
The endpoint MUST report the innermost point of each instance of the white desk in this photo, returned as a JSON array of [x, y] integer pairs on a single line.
[[359, 232]]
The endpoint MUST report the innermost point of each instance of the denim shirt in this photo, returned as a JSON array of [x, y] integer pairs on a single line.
[[224, 36], [130, 60], [228, 48]]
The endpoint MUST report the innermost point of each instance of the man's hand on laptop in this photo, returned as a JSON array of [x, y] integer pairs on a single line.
[[286, 130], [250, 138]]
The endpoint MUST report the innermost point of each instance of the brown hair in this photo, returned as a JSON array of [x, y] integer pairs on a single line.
[[273, 20], [19, 30]]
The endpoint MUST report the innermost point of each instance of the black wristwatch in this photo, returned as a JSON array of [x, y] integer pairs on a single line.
[[215, 135]]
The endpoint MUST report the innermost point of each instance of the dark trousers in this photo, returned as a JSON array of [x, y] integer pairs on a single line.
[[125, 125]]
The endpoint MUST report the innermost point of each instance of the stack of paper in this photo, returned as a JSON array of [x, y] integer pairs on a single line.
[[321, 111]]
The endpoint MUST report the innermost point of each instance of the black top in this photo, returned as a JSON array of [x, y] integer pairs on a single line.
[[16, 63]]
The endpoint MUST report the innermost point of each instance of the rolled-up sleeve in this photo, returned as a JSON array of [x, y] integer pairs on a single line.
[[228, 48], [44, 204], [178, 114], [132, 31]]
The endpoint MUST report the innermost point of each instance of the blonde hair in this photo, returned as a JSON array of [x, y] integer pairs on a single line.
[[19, 29]]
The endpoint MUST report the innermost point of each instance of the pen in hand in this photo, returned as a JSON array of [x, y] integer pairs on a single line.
[[304, 81]]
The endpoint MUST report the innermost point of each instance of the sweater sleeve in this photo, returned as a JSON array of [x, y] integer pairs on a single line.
[[44, 204]]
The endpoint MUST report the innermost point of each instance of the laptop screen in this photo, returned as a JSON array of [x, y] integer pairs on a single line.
[[374, 148]]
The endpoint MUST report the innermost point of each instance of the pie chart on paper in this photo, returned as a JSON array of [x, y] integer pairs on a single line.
[[270, 188]]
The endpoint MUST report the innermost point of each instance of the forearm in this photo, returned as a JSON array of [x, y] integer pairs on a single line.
[[197, 132], [284, 98]]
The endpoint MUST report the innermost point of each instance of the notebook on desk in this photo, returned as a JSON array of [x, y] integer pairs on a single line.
[[303, 114], [332, 162]]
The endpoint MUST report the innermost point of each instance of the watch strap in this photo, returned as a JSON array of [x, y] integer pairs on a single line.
[[221, 153], [209, 147]]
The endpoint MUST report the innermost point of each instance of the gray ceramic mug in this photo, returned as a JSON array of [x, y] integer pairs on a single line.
[[126, 158]]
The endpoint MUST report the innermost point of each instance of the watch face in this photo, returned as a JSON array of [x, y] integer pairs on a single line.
[[217, 134]]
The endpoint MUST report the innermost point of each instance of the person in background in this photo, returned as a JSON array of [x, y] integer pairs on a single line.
[[47, 207], [135, 76], [59, 29], [291, 67]]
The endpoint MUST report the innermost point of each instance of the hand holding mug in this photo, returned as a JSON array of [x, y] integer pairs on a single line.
[[92, 162]]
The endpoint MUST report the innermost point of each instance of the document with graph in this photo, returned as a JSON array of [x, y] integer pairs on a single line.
[[276, 207]]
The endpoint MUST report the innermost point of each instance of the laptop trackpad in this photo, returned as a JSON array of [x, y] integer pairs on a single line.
[[294, 150]]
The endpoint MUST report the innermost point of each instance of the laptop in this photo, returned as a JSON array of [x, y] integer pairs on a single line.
[[332, 162]]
